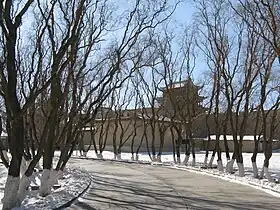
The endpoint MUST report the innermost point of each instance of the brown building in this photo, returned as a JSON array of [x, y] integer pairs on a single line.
[[144, 125]]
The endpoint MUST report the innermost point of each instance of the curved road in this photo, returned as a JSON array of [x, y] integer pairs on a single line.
[[143, 187]]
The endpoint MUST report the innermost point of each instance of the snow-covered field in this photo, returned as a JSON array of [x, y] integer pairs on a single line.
[[74, 182], [274, 164], [248, 179]]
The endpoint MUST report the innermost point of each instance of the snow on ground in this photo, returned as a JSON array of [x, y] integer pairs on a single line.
[[274, 164], [167, 158], [74, 182], [3, 177]]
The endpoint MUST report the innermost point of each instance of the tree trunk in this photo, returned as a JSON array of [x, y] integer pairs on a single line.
[[267, 154], [10, 200], [161, 145], [229, 166], [153, 141], [193, 152], [226, 147], [212, 158], [187, 152], [48, 157], [178, 146], [207, 151], [173, 146], [25, 179], [239, 159], [254, 158]]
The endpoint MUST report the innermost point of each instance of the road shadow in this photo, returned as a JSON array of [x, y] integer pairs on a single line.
[[135, 193]]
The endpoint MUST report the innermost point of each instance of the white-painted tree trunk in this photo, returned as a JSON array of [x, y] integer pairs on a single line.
[[262, 173], [154, 158], [137, 157], [220, 166], [255, 170], [186, 160], [174, 160], [5, 154], [229, 166], [132, 157], [85, 154], [119, 156], [267, 174], [100, 156], [10, 199], [44, 188], [193, 162], [211, 161], [159, 158], [53, 178], [24, 184], [77, 152], [179, 160], [205, 161], [115, 156], [23, 166], [241, 169]]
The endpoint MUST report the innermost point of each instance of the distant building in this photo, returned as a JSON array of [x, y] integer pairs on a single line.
[[131, 124]]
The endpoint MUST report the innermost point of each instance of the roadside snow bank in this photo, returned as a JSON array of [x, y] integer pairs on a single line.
[[73, 183], [248, 180]]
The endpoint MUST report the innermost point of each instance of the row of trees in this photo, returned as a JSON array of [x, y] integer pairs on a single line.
[[239, 42], [242, 51], [241, 81], [60, 61]]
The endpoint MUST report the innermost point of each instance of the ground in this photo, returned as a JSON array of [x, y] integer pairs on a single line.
[[74, 181], [136, 186]]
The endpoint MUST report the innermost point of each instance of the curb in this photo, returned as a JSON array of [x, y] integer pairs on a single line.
[[69, 203], [112, 160], [229, 179]]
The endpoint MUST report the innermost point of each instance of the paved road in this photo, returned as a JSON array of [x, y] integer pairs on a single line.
[[141, 187]]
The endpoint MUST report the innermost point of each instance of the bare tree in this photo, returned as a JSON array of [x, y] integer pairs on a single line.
[[266, 16]]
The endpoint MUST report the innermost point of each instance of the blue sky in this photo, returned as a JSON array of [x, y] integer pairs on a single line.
[[183, 16]]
